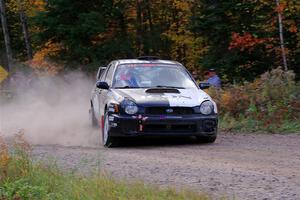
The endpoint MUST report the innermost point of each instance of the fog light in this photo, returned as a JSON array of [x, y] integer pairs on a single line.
[[209, 125]]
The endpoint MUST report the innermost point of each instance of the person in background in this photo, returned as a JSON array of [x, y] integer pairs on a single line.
[[212, 78], [206, 76], [195, 76]]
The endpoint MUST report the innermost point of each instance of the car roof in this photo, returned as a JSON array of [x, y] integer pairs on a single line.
[[139, 61]]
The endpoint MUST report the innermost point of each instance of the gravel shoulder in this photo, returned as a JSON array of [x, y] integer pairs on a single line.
[[239, 166]]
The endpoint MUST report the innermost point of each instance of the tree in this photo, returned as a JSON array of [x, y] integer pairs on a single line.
[[18, 12], [290, 11], [6, 36], [89, 31], [23, 19], [251, 22]]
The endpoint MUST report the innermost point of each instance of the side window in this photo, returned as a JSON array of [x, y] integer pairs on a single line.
[[102, 77], [100, 72], [109, 74]]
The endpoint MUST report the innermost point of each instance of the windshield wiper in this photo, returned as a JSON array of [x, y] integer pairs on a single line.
[[166, 86]]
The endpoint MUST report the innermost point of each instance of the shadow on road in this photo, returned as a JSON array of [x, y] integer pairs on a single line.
[[147, 142]]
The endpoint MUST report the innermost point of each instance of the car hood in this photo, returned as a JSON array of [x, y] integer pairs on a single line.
[[182, 98]]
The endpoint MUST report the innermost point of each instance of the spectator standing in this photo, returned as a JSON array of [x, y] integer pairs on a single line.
[[213, 78]]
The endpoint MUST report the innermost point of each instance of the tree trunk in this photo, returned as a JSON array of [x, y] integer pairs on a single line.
[[24, 23], [283, 53], [139, 27], [150, 32], [149, 16], [6, 36]]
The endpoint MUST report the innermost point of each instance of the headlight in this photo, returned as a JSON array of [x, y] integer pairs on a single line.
[[130, 107], [206, 107]]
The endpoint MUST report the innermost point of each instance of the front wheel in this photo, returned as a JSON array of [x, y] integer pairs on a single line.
[[206, 139], [107, 140]]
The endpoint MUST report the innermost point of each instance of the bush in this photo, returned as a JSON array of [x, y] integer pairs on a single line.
[[265, 104]]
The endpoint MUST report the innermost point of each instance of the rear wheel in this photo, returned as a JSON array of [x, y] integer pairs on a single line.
[[107, 140], [206, 139]]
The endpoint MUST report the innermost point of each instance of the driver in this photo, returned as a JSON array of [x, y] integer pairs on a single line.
[[127, 77]]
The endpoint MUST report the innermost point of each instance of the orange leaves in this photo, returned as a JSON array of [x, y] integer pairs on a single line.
[[291, 25], [42, 59], [286, 9], [293, 29], [281, 7], [39, 5], [245, 41], [21, 152]]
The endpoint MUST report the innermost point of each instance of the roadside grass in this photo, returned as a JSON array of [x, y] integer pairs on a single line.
[[21, 178], [250, 125]]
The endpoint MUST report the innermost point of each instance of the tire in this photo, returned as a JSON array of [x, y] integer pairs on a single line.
[[93, 119], [206, 139], [107, 140]]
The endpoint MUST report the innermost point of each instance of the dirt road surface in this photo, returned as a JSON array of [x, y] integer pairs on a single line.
[[238, 166]]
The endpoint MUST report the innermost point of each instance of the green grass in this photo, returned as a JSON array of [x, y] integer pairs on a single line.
[[21, 178], [290, 127], [249, 125]]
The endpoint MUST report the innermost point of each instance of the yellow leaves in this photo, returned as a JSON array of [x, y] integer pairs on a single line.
[[42, 59], [30, 7], [182, 6], [226, 98], [186, 48], [4, 158], [39, 5]]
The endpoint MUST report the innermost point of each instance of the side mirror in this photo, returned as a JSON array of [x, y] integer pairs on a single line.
[[102, 85], [204, 85]]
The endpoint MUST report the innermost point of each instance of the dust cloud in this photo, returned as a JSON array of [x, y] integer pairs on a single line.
[[51, 110]]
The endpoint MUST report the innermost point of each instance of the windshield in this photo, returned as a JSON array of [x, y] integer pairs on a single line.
[[152, 75]]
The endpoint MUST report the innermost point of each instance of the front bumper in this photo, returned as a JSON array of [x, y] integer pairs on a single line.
[[170, 125]]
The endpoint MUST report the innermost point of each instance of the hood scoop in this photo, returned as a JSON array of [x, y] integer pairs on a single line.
[[162, 90]]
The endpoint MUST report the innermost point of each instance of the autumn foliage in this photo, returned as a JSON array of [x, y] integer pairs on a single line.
[[269, 100], [42, 59], [18, 166], [245, 41]]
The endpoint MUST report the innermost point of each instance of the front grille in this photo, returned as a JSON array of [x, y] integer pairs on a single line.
[[170, 128], [169, 111]]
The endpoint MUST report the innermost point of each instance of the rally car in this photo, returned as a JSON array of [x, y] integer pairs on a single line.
[[148, 96]]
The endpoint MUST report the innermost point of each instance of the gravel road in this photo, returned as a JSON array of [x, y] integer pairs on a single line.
[[239, 166]]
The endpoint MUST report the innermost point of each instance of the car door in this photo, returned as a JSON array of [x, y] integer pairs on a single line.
[[103, 94], [96, 93]]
